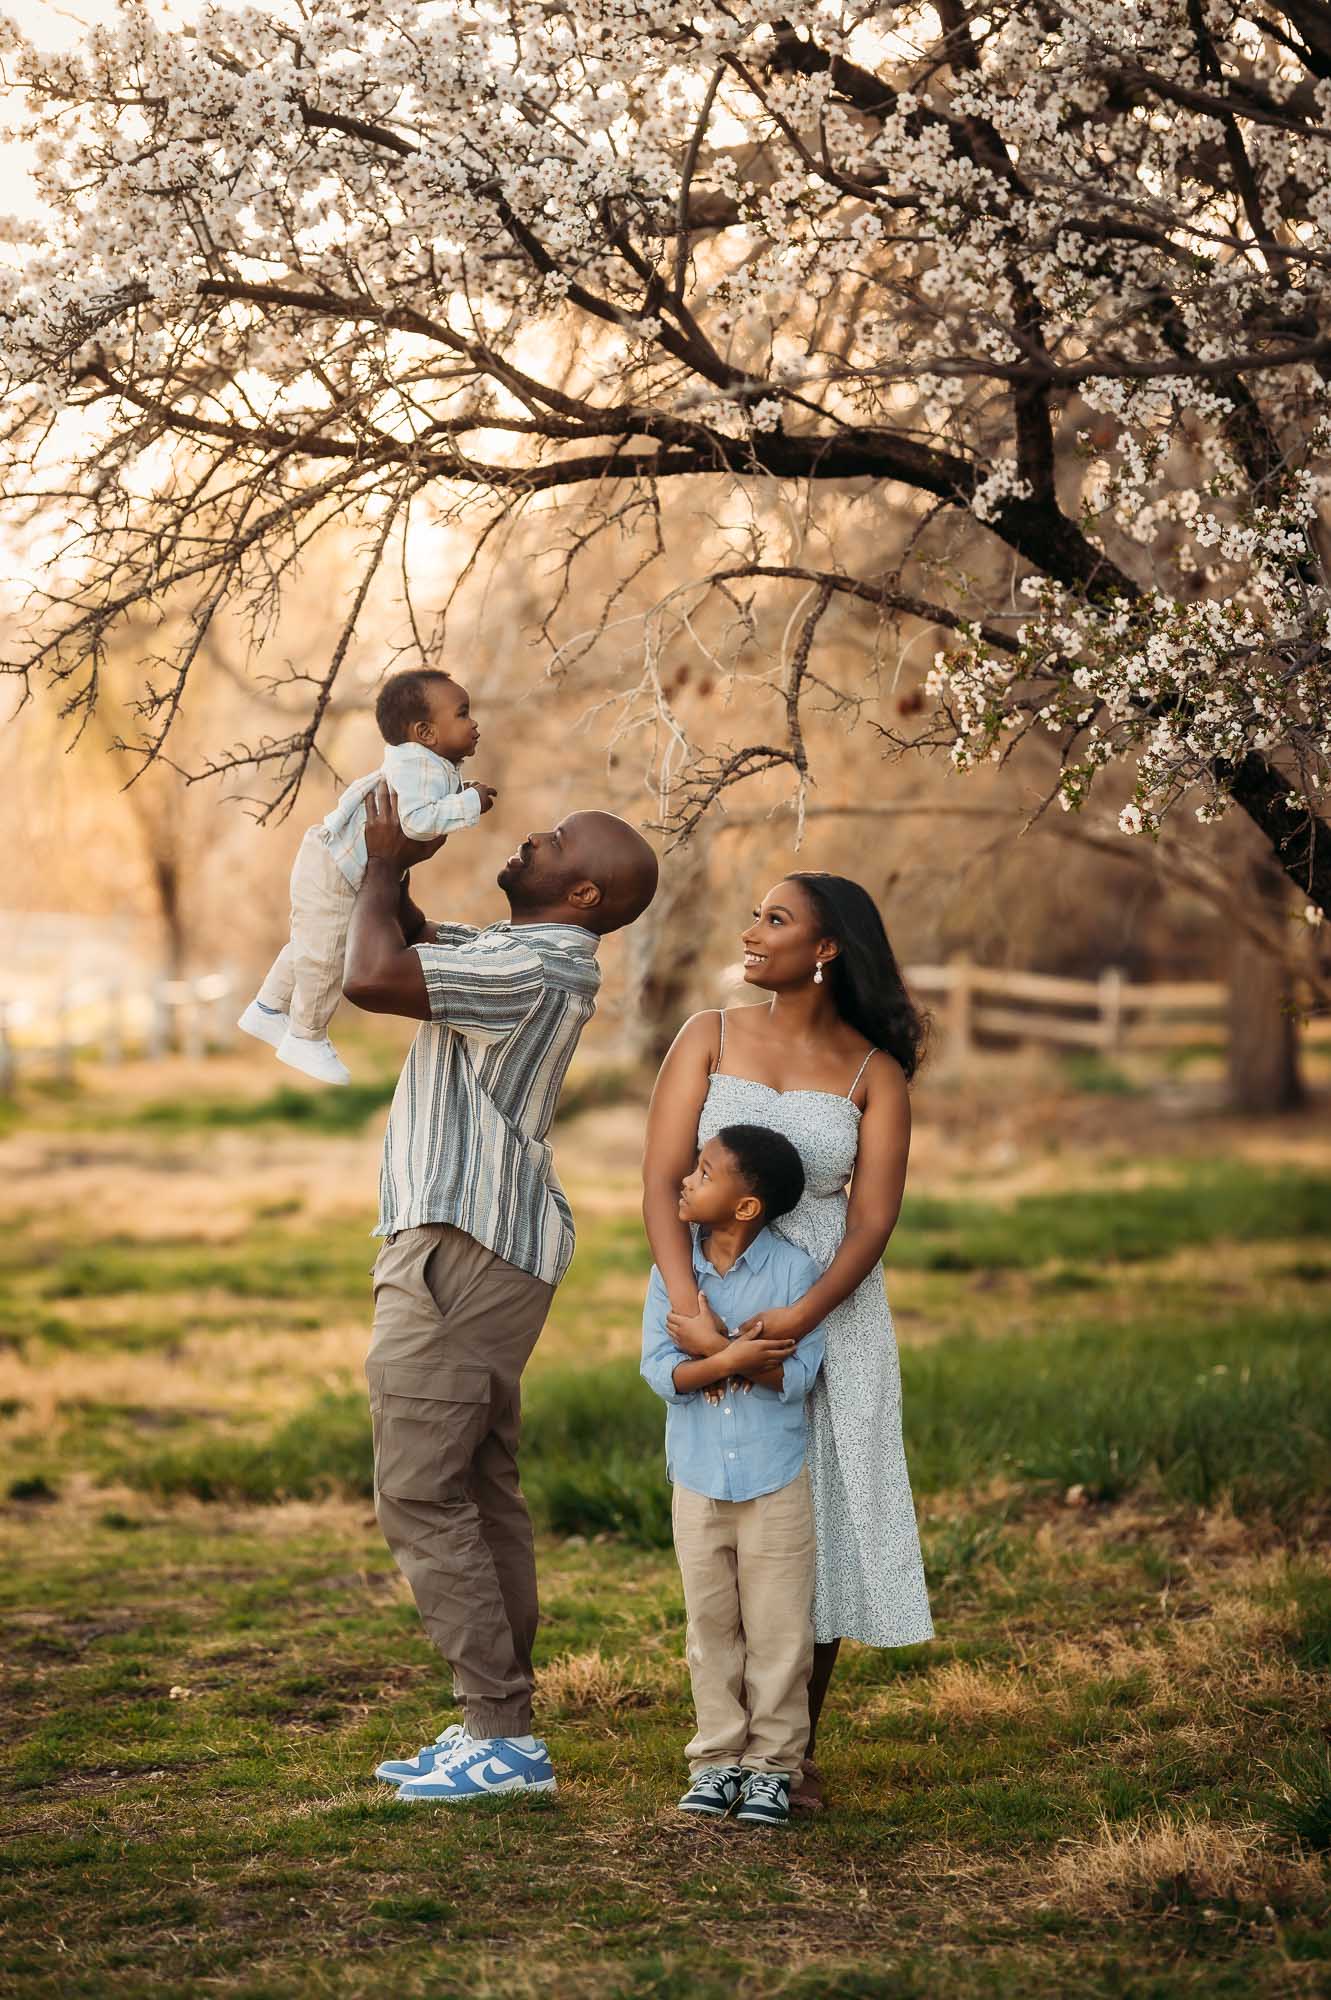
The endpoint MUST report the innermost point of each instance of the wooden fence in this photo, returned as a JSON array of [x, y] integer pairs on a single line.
[[108, 1019], [1108, 1014], [974, 1003]]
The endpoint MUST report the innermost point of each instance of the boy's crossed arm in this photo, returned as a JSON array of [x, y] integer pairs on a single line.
[[757, 1360]]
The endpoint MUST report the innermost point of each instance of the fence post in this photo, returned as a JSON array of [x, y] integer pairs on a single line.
[[960, 1013], [64, 1044], [8, 1065], [191, 1035], [1111, 1007], [159, 1029], [212, 995], [113, 1025]]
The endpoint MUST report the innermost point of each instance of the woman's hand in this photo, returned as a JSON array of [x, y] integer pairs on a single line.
[[754, 1357], [699, 1334], [783, 1326]]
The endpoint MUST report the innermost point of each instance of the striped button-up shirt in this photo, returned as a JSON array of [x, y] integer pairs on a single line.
[[466, 1132], [431, 800]]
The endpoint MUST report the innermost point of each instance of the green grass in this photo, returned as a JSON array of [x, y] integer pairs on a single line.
[[350, 1108], [1195, 1412], [1067, 1242], [205, 1649], [226, 1836], [1229, 1201]]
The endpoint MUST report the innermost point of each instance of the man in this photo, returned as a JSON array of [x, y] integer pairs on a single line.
[[478, 1233]]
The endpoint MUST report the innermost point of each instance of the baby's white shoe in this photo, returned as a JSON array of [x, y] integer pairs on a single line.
[[264, 1023], [317, 1059]]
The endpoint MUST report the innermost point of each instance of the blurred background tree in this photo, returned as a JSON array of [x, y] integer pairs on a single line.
[[810, 388]]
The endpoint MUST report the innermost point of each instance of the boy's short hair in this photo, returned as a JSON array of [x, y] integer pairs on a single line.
[[403, 699], [769, 1165]]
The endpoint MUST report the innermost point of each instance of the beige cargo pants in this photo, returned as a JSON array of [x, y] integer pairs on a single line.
[[453, 1327]]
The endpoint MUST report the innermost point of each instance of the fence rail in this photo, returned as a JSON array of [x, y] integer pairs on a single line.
[[111, 1018], [1108, 1014]]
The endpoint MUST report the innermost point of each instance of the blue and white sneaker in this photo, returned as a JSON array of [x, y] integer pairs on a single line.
[[396, 1770], [486, 1767], [714, 1791]]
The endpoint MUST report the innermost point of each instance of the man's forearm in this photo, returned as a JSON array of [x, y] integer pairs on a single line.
[[383, 974], [413, 922]]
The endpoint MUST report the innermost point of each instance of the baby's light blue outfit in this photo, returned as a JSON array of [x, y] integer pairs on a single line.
[[305, 979], [431, 800]]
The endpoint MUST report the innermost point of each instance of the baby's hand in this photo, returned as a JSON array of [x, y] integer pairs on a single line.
[[488, 795]]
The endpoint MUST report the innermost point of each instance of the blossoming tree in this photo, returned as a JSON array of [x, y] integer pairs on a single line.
[[1054, 276]]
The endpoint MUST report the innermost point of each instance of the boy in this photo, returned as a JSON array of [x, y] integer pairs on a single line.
[[425, 719], [742, 1515]]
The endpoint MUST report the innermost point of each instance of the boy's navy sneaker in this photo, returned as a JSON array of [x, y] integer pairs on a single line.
[[483, 1768], [713, 1791], [396, 1770], [765, 1800]]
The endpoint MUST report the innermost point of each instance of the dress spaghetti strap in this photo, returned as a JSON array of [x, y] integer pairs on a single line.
[[859, 1072], [721, 1046]]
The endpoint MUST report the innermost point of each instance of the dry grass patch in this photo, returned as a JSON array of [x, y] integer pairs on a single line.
[[249, 1371], [962, 1693], [190, 1187], [1162, 1864], [588, 1684]]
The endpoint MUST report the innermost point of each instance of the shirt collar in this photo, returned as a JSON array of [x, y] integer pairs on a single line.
[[754, 1258], [570, 937]]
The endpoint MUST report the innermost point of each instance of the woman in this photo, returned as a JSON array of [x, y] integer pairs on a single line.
[[826, 1061]]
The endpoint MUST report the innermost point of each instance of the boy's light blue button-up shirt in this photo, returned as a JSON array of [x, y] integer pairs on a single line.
[[752, 1441]]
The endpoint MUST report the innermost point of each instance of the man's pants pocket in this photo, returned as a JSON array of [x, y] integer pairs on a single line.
[[428, 1422]]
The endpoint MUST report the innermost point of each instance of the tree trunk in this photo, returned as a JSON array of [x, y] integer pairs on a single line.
[[165, 867], [1263, 1036], [665, 947]]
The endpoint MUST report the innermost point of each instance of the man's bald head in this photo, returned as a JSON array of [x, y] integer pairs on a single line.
[[593, 869]]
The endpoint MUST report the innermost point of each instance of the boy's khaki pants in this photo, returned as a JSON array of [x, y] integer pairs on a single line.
[[453, 1327], [305, 979], [747, 1567]]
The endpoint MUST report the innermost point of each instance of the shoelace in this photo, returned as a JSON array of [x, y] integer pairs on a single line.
[[715, 1778], [766, 1788]]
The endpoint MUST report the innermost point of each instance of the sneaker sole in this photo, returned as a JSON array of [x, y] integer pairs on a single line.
[[763, 1819], [505, 1791], [315, 1076], [704, 1812]]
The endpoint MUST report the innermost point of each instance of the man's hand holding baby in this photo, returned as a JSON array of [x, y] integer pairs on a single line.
[[384, 838]]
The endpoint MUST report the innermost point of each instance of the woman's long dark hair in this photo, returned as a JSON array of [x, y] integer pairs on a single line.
[[865, 978]]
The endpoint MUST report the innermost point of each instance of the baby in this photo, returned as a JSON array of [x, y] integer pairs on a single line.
[[425, 719]]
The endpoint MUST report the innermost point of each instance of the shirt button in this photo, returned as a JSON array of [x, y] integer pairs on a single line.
[[730, 1454], [725, 1409]]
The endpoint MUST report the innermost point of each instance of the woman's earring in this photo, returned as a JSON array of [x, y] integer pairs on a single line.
[[817, 975]]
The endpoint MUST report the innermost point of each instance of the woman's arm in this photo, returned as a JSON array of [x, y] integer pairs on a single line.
[[669, 1153], [875, 1203]]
